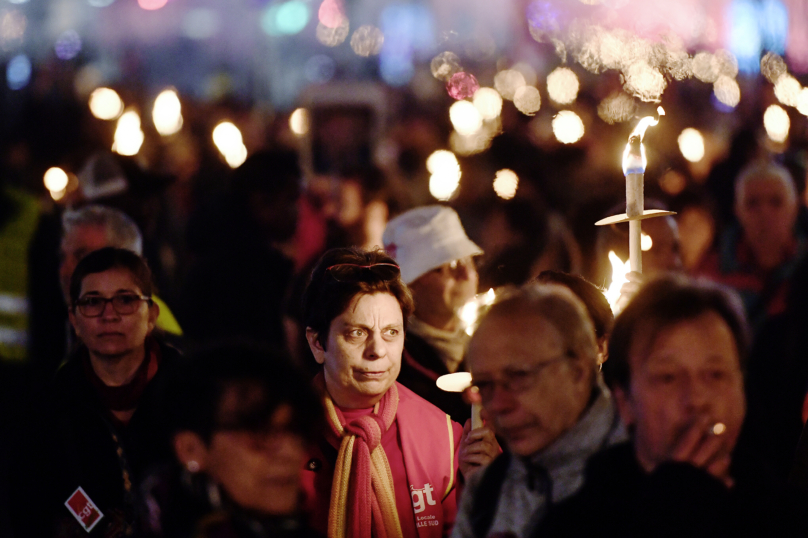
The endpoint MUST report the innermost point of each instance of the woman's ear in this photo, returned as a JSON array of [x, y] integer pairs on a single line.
[[154, 313], [316, 347], [191, 451]]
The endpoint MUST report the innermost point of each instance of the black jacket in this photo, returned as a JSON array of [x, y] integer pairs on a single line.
[[420, 368], [676, 500], [71, 440]]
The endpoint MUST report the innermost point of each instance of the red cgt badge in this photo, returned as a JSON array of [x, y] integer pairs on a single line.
[[84, 509]]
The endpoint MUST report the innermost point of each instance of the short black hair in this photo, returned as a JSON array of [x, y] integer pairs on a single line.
[[325, 298], [108, 258], [592, 296], [662, 303], [203, 378]]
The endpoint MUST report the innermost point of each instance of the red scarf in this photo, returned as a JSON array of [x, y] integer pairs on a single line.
[[363, 503]]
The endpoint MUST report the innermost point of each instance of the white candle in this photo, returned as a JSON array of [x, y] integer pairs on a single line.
[[458, 382]]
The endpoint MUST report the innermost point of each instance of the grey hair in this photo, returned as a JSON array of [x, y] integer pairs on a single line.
[[122, 232], [764, 169], [560, 307]]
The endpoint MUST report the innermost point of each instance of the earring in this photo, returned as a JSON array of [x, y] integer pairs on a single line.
[[192, 466]]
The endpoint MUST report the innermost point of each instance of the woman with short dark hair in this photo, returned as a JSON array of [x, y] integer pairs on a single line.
[[387, 461]]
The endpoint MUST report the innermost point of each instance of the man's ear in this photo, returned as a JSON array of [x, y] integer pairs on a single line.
[[314, 344], [189, 447], [624, 407]]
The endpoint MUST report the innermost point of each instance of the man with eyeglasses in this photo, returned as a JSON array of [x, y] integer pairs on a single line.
[[534, 362], [437, 263]]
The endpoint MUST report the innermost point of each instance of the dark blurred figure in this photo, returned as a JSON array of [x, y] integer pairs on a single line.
[[758, 258], [521, 239], [238, 283], [243, 419], [675, 366], [100, 424]]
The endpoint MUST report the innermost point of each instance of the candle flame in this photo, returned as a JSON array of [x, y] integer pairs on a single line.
[[634, 161], [619, 272], [472, 310]]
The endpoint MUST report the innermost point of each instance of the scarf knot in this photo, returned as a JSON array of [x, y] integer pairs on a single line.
[[368, 429]]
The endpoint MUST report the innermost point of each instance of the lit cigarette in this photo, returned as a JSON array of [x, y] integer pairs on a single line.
[[718, 428]]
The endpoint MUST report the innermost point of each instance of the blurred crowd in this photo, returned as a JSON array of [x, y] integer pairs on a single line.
[[190, 350]]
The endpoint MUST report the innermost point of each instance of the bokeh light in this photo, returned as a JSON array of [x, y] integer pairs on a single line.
[[568, 127], [200, 23], [68, 45], [727, 91], [470, 144], [563, 85], [691, 144], [105, 104], [646, 243], [299, 121], [445, 170], [444, 65], [506, 182], [531, 77], [151, 5], [617, 107], [367, 40], [331, 37], [777, 123], [507, 82], [230, 144], [462, 85], [644, 82], [18, 72], [128, 135], [527, 100], [787, 90], [331, 13], [167, 113], [319, 68], [802, 102], [773, 66], [55, 179], [672, 182], [12, 29], [465, 117], [705, 67], [488, 102], [292, 17]]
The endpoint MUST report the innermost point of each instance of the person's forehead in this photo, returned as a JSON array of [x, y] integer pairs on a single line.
[[85, 236], [366, 307], [695, 342], [510, 341], [111, 279], [765, 186]]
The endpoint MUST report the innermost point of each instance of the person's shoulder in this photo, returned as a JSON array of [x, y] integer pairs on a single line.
[[410, 399], [414, 409]]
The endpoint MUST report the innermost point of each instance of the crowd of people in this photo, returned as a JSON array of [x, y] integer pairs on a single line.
[[260, 358]]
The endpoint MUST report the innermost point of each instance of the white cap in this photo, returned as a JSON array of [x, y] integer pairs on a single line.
[[425, 238]]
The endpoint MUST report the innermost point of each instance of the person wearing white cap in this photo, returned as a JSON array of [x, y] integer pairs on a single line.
[[435, 256]]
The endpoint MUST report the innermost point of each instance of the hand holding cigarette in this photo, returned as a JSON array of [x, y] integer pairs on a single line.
[[704, 443]]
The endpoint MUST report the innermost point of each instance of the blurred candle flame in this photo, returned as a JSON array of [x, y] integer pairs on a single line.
[[619, 272], [634, 160]]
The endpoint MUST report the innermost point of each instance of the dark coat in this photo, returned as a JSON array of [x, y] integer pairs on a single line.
[[71, 440], [421, 366], [676, 500]]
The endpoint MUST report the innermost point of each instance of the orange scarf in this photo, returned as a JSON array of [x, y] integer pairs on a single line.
[[363, 502]]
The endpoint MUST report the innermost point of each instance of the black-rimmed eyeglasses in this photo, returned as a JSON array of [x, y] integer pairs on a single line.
[[125, 303]]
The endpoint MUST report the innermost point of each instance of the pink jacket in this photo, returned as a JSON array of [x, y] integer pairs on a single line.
[[430, 443]]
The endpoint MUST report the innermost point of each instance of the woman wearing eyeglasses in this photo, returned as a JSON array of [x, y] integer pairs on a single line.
[[387, 462], [100, 425]]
